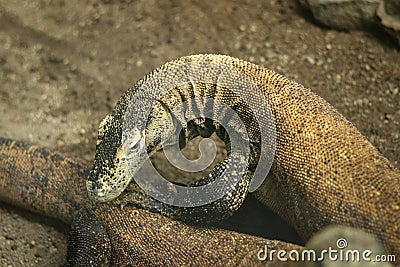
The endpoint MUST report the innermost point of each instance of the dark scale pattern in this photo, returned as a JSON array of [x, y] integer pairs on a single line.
[[142, 238], [42, 181], [105, 234], [325, 172]]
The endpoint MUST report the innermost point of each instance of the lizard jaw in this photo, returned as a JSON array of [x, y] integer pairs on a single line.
[[108, 186]]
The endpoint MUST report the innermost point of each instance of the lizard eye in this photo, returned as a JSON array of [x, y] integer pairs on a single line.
[[133, 143], [134, 146]]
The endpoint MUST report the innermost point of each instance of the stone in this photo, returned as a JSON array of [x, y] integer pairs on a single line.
[[345, 14], [389, 16]]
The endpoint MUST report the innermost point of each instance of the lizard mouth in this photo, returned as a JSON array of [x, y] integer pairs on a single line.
[[92, 191], [100, 190], [99, 194]]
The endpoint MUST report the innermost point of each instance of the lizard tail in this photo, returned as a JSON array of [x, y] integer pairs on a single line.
[[41, 181]]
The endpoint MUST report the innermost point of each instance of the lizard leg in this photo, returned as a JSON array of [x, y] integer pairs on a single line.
[[88, 242]]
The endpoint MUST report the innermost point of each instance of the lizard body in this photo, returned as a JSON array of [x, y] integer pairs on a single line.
[[324, 172], [53, 184]]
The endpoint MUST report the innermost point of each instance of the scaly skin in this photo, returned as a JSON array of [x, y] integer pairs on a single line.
[[41, 181], [324, 171], [53, 184]]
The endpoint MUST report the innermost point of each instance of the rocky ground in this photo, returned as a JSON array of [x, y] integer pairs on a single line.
[[64, 64]]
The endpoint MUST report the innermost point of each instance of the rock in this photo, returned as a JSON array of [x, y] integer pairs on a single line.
[[389, 15], [345, 14], [357, 14], [348, 246], [310, 59]]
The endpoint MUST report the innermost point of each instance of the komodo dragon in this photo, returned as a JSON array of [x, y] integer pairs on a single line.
[[324, 172]]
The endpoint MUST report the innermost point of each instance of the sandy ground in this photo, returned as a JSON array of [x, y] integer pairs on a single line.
[[64, 64]]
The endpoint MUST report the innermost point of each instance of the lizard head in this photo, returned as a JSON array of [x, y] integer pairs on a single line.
[[118, 157], [123, 145]]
